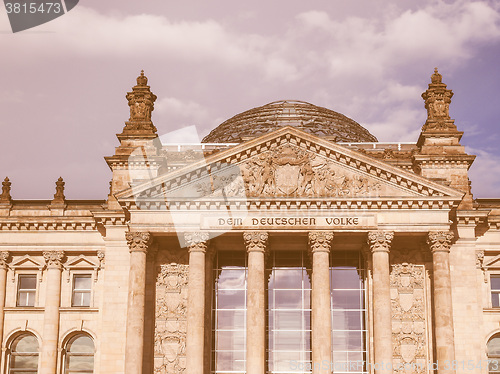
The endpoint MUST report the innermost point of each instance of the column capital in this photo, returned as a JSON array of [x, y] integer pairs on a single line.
[[53, 259], [196, 241], [440, 241], [380, 241], [139, 241], [256, 241], [320, 241]]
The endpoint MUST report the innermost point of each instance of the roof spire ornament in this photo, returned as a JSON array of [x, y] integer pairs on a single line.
[[141, 102], [59, 197], [437, 102], [5, 196]]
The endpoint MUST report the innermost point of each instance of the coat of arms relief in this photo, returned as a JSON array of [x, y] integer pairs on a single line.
[[289, 171], [171, 325], [409, 339]]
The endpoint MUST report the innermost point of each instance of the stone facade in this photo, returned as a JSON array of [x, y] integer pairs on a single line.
[[139, 274]]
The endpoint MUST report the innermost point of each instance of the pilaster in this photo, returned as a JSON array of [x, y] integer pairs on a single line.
[[53, 261], [4, 256], [138, 243]]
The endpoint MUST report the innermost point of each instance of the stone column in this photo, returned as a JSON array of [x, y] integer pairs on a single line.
[[4, 255], [53, 261], [139, 243], [321, 325], [439, 243], [256, 242], [380, 243], [197, 245]]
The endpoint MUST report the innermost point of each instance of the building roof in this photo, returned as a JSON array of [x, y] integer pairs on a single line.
[[307, 117]]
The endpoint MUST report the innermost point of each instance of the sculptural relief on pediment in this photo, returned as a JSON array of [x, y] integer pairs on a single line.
[[289, 171]]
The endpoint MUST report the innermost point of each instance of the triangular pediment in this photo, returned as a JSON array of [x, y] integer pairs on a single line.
[[288, 164], [81, 262], [27, 262]]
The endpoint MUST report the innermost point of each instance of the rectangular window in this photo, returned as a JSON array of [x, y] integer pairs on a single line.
[[26, 290], [348, 312], [495, 290], [229, 313], [289, 313], [82, 288]]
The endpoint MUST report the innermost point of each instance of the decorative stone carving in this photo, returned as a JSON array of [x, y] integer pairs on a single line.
[[440, 241], [101, 255], [4, 256], [320, 241], [5, 196], [409, 338], [171, 325], [196, 241], [138, 241], [290, 171], [141, 100], [255, 240], [59, 197], [480, 264], [53, 259], [380, 240], [437, 102], [479, 259]]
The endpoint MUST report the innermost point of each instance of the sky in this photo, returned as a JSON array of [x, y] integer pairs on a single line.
[[63, 84]]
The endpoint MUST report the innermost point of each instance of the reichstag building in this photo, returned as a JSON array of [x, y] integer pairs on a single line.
[[289, 241]]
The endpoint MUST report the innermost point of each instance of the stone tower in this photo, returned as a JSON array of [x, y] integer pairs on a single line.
[[440, 155], [137, 157]]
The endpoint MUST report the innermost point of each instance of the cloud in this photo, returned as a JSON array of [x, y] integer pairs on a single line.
[[373, 47], [370, 67], [369, 58], [485, 173], [177, 113]]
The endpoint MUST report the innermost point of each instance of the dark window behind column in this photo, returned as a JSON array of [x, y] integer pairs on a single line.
[[229, 312], [348, 311], [289, 313]]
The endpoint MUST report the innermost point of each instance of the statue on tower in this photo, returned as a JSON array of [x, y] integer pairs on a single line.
[[437, 102], [141, 102]]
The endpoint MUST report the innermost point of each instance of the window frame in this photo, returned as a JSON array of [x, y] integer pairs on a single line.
[[11, 354], [493, 357], [82, 291], [68, 353], [27, 290]]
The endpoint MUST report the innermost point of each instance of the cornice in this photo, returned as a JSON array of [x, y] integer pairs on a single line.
[[427, 203], [110, 218], [470, 217], [47, 224], [136, 162]]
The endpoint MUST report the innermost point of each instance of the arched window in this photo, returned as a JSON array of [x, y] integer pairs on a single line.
[[24, 354], [79, 357], [494, 354]]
